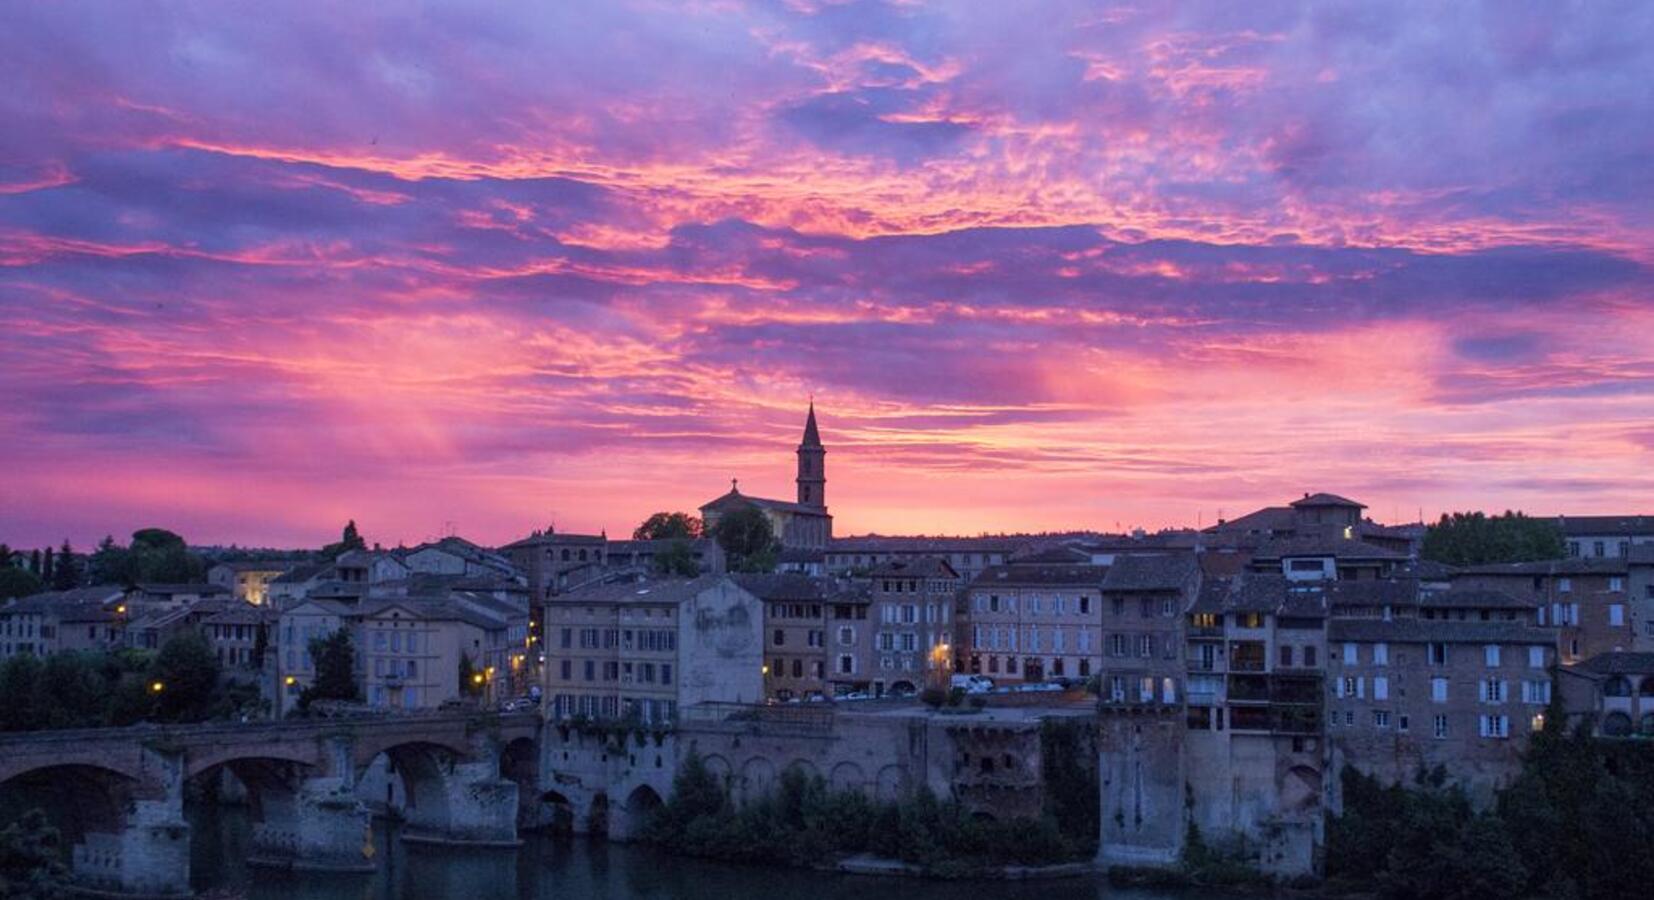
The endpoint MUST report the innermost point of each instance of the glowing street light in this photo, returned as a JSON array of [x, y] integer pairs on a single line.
[[155, 687]]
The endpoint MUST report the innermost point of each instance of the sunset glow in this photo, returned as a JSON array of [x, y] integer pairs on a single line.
[[489, 267]]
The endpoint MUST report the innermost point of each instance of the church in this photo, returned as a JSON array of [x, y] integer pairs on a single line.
[[801, 525]]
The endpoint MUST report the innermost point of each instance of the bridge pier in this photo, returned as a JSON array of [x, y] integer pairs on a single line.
[[320, 826], [469, 804], [150, 855]]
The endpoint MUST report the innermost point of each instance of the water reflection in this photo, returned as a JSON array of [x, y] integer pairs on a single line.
[[548, 868]]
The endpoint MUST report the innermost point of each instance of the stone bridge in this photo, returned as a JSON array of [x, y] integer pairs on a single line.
[[122, 789]]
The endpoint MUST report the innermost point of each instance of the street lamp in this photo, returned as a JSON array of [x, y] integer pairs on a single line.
[[155, 687]]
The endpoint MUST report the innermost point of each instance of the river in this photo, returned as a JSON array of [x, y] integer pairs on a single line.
[[552, 868]]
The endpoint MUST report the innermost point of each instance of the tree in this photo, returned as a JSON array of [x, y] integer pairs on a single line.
[[155, 555], [34, 562], [667, 526], [335, 658], [678, 559], [748, 539], [1474, 538], [15, 582], [184, 677], [19, 684], [350, 539], [66, 576], [31, 859]]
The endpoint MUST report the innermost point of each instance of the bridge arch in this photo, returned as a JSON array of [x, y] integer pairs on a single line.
[[627, 821], [848, 776], [79, 798]]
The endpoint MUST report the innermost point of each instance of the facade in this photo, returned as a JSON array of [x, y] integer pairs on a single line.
[[1143, 602], [547, 558], [458, 556], [56, 621], [298, 626], [1605, 537], [803, 524], [1456, 679], [967, 555], [643, 650], [1612, 694], [1585, 599], [248, 580], [1048, 616], [241, 635], [795, 633], [413, 650], [915, 602]]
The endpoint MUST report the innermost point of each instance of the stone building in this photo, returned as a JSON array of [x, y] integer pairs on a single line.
[[248, 580], [1048, 616], [914, 601], [1143, 601], [1418, 679], [1585, 599], [642, 650], [546, 559], [241, 635], [1612, 694], [91, 618], [795, 633], [1604, 537], [412, 648], [802, 524], [968, 556]]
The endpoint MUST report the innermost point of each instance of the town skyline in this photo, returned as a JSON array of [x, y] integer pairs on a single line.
[[1067, 268]]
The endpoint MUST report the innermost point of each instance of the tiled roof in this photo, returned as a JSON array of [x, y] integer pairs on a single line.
[[1605, 526], [651, 590], [736, 497], [1164, 572], [301, 573], [785, 587], [1037, 576], [1256, 593], [920, 567], [1059, 555], [1372, 592], [550, 538], [1419, 631], [202, 588], [243, 614], [1619, 663], [1338, 548], [1270, 518], [1322, 499], [256, 565], [1473, 598], [1574, 566], [801, 555], [876, 543]]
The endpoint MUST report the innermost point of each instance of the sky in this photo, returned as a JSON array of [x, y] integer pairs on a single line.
[[485, 268]]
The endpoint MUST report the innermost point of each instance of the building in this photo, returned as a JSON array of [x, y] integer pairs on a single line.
[[795, 633], [91, 618], [1044, 615], [241, 635], [298, 628], [915, 603], [968, 556], [416, 650], [248, 580], [850, 630], [296, 583], [640, 555], [1604, 537], [1321, 516], [641, 650], [548, 558], [1611, 693], [1419, 679], [458, 556], [175, 596], [1143, 602], [1585, 599], [801, 524]]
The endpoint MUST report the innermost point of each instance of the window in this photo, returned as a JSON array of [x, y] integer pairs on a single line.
[[1381, 688], [1490, 654], [1616, 584], [1438, 690], [1495, 726], [1440, 727], [1286, 656], [1438, 654], [1350, 655], [1492, 690], [1085, 606], [1565, 585], [847, 636], [1381, 718], [1381, 654], [846, 665], [1309, 657], [1616, 615], [1401, 722], [1536, 692], [1536, 657]]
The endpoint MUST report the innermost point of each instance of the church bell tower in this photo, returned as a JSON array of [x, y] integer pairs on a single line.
[[812, 465]]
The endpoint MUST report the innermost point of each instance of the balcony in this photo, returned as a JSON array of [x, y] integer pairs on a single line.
[[1203, 698], [1248, 689]]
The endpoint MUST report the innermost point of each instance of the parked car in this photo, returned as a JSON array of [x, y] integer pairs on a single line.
[[973, 684], [856, 695]]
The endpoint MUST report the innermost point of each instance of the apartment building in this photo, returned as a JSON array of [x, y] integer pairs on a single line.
[[1143, 602], [795, 633], [1612, 694], [850, 630], [1586, 599], [1455, 678], [91, 618], [969, 556], [297, 628], [413, 649], [1044, 616], [642, 650], [241, 635], [914, 600], [1603, 537]]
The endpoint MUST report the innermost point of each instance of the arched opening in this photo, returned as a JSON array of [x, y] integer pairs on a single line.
[[556, 812], [421, 771], [520, 763], [597, 818], [77, 799], [1647, 686], [1616, 724], [265, 830], [1617, 686]]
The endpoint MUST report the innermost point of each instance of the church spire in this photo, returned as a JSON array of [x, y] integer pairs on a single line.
[[812, 464]]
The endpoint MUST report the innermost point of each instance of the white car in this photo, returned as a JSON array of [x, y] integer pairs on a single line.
[[972, 684]]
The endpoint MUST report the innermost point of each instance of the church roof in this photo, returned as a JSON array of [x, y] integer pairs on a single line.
[[734, 496], [812, 437]]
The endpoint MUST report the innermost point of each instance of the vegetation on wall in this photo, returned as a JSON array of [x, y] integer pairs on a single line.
[[806, 823], [335, 658], [31, 859]]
